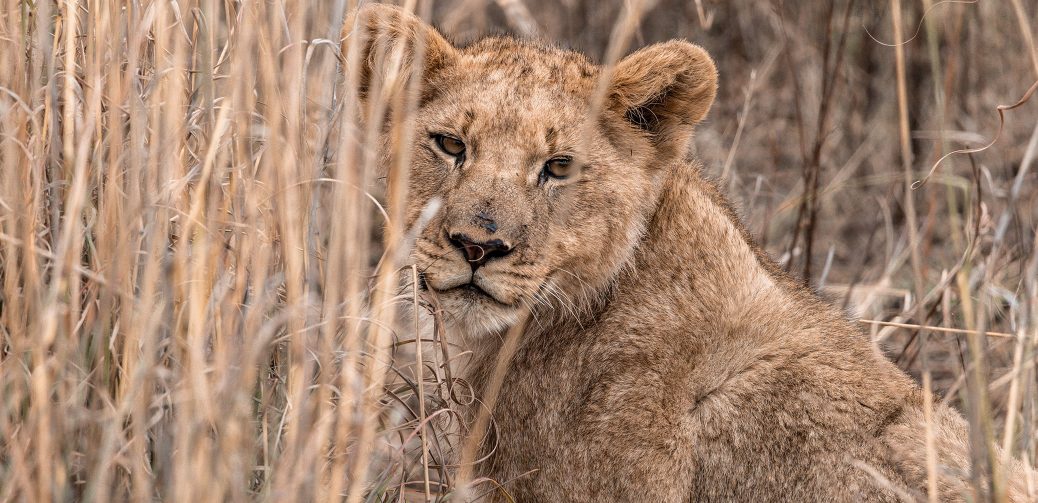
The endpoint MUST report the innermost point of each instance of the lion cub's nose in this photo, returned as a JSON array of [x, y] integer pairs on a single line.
[[479, 253]]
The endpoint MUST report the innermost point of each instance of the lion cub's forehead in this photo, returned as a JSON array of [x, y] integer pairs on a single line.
[[524, 70], [543, 60], [505, 84]]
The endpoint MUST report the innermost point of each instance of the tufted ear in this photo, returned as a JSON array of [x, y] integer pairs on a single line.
[[385, 41], [663, 90]]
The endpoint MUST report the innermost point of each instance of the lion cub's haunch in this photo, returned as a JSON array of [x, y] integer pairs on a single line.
[[667, 358]]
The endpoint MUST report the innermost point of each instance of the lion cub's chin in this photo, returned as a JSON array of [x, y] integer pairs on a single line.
[[473, 315]]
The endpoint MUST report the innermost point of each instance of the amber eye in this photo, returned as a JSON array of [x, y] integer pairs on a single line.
[[450, 145], [558, 167]]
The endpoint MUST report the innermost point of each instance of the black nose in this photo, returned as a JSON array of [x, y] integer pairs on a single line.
[[477, 253]]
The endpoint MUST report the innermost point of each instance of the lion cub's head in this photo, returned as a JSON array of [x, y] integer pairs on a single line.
[[540, 201]]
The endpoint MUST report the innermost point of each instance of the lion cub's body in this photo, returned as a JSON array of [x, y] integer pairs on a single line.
[[667, 359], [706, 376]]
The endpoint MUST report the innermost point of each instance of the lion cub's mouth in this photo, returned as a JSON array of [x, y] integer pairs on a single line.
[[470, 291], [474, 292], [472, 287]]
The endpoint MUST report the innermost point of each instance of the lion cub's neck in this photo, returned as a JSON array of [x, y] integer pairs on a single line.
[[696, 261]]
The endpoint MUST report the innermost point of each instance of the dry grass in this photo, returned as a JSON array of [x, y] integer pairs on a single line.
[[197, 285]]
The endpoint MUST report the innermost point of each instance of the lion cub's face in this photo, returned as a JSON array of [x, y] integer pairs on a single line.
[[538, 204]]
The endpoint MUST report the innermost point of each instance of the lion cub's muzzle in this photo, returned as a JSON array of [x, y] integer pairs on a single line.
[[490, 270], [476, 261], [478, 253]]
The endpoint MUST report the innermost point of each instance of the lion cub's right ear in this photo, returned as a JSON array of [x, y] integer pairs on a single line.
[[664, 90], [381, 43]]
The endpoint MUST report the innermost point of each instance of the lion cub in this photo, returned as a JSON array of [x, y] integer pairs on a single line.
[[667, 358]]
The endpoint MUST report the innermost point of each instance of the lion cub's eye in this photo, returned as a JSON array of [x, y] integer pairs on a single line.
[[558, 167], [449, 145]]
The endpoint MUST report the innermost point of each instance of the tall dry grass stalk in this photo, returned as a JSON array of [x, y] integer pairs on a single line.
[[200, 253], [183, 316]]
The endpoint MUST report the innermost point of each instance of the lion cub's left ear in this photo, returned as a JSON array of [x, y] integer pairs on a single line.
[[389, 45], [664, 90]]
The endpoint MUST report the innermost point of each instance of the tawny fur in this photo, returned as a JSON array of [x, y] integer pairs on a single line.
[[667, 358]]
